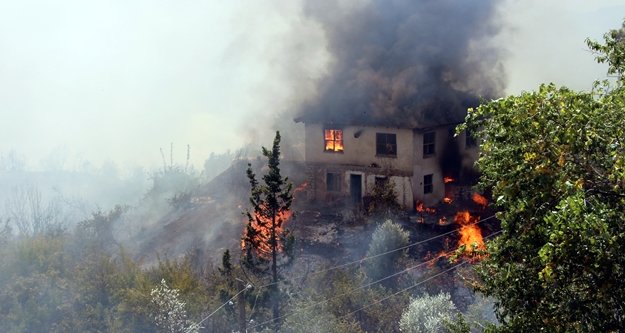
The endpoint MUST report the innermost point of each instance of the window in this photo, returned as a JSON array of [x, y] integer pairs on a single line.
[[333, 140], [428, 187], [385, 144], [381, 181], [429, 144], [333, 182]]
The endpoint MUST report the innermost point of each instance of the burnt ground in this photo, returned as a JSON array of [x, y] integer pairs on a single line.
[[212, 220]]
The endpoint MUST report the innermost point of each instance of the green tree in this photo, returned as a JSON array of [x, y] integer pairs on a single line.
[[427, 314], [265, 235], [555, 160], [386, 237], [612, 51]]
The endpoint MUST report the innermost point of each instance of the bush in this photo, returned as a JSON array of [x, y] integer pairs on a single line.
[[427, 314], [388, 236]]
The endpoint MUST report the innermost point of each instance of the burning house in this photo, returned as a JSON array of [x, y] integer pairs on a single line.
[[345, 161], [396, 87]]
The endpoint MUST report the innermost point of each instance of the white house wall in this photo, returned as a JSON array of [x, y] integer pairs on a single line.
[[429, 165], [360, 147]]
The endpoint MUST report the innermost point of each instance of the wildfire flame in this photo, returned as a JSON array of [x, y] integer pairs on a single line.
[[447, 180], [470, 233], [333, 139], [262, 226], [422, 209], [300, 188], [480, 200]]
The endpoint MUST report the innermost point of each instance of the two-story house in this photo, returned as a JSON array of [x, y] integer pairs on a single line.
[[345, 161]]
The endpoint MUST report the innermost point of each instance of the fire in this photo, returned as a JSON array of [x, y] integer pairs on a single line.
[[333, 140], [422, 209], [470, 233], [262, 226], [300, 188], [480, 200], [447, 180]]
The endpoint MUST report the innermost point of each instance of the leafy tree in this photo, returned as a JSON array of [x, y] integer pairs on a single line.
[[172, 315], [427, 314], [386, 237], [555, 160], [271, 202], [612, 51]]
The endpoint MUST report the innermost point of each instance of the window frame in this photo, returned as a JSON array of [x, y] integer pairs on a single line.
[[336, 181], [382, 140], [334, 140], [429, 146], [428, 187]]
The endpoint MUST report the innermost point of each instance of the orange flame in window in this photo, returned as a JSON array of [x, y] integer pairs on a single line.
[[333, 140]]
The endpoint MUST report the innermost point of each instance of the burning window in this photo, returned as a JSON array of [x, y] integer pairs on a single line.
[[333, 140], [429, 144], [386, 144], [333, 182], [428, 187]]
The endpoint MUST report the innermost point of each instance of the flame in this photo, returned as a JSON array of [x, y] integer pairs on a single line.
[[300, 188], [447, 200], [422, 209], [480, 200], [333, 140], [263, 226], [470, 233], [448, 180], [433, 258]]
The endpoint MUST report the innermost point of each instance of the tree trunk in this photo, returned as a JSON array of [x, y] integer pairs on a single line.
[[274, 273]]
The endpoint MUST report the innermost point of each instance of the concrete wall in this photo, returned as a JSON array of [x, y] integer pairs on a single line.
[[429, 165], [406, 170], [317, 180], [360, 147]]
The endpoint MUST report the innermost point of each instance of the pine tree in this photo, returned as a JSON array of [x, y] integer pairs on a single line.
[[265, 236]]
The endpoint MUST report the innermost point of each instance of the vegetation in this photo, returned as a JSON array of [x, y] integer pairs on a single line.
[[555, 160], [386, 238], [427, 314], [265, 234]]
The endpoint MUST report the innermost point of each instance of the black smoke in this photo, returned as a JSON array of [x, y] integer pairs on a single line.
[[413, 63]]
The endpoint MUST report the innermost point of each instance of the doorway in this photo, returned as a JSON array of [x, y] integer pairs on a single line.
[[355, 188]]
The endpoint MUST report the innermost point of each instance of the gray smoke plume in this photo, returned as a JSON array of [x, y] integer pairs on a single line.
[[404, 63]]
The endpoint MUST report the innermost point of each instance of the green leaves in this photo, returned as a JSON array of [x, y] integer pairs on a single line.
[[555, 161]]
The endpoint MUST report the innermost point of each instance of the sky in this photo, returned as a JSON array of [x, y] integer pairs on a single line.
[[97, 82]]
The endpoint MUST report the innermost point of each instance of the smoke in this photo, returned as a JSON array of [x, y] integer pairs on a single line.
[[405, 62]]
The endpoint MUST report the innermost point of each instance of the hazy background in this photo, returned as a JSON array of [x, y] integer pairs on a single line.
[[106, 84]]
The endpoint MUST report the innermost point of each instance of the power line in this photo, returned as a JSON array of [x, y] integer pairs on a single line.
[[405, 289], [249, 286], [347, 264], [375, 282], [414, 285], [372, 283]]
